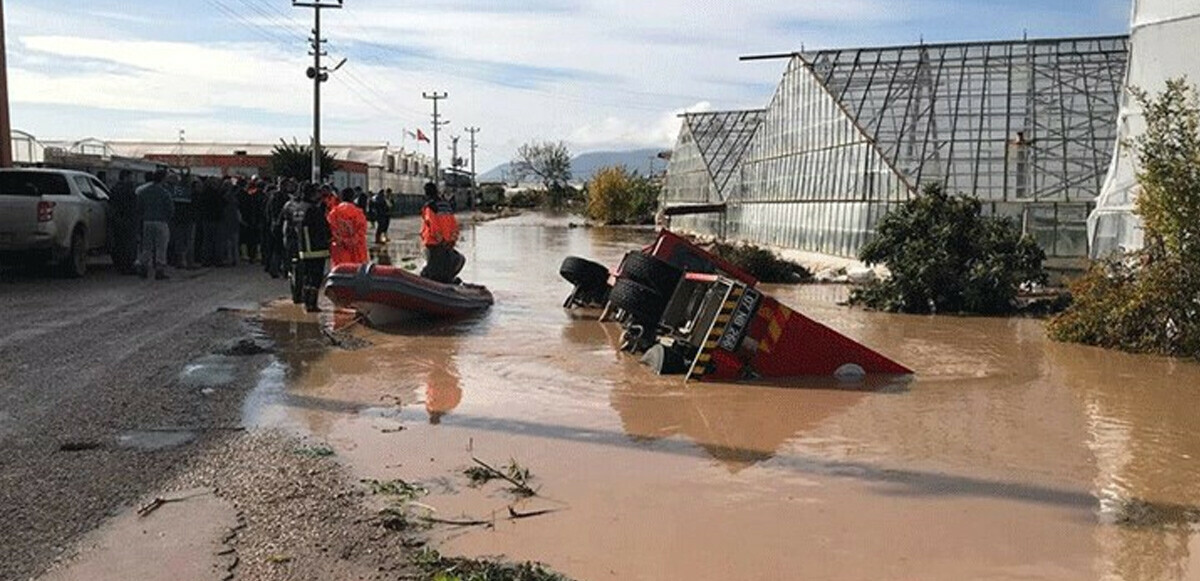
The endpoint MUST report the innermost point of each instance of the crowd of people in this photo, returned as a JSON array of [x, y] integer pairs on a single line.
[[293, 228]]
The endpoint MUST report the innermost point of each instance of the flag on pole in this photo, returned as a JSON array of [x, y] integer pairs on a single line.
[[421, 136], [410, 134]]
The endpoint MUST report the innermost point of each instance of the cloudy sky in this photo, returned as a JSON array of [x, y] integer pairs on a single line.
[[599, 74]]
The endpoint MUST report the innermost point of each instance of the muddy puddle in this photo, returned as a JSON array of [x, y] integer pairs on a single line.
[[1008, 457]]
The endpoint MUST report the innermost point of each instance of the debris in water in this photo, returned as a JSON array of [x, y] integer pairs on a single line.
[[315, 451], [244, 347], [436, 566], [397, 520], [513, 473], [514, 514], [345, 341], [399, 488]]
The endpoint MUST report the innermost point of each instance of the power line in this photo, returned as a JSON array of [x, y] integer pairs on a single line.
[[281, 37]]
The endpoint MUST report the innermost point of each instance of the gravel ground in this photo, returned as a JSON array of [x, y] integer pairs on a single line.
[[300, 518], [84, 362]]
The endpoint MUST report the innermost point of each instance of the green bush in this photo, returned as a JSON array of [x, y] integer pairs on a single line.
[[526, 199], [1149, 301], [946, 257], [617, 196], [292, 160], [762, 264]]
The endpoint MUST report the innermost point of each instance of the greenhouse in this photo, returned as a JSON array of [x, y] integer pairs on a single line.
[[1159, 29], [1027, 126]]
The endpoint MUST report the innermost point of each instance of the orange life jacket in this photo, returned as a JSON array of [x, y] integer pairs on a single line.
[[439, 227], [348, 228]]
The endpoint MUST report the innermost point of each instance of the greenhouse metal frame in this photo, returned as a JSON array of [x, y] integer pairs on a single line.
[[1027, 126]]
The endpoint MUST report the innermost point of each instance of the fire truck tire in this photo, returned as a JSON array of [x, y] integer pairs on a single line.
[[651, 272], [584, 273], [642, 303]]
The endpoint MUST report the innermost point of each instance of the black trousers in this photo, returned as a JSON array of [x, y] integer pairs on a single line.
[[381, 229], [124, 247], [443, 263], [274, 256]]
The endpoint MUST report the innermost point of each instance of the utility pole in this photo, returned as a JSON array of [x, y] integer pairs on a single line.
[[6, 154], [318, 75], [437, 126], [473, 131], [474, 182]]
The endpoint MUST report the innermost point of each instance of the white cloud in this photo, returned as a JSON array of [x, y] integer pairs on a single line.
[[597, 73], [617, 132]]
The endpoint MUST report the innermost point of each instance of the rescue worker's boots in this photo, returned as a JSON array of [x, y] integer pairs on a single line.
[[310, 300]]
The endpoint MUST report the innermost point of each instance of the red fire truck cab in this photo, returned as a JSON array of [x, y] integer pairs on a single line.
[[689, 312]]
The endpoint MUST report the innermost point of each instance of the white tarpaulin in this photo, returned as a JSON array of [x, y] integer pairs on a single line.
[[1165, 38]]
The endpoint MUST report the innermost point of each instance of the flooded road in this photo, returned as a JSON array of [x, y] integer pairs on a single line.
[[1008, 456]]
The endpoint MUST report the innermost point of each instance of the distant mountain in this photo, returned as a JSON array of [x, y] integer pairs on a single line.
[[584, 165]]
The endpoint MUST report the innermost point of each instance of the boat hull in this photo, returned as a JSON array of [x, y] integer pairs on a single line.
[[387, 294]]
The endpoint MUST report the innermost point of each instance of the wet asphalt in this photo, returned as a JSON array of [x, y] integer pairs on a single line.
[[109, 386]]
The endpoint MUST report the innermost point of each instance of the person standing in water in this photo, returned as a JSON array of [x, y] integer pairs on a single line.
[[310, 231], [380, 210]]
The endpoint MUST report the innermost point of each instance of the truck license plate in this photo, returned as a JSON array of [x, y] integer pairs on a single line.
[[740, 323]]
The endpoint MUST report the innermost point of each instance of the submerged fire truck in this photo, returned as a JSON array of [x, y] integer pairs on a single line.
[[689, 312]]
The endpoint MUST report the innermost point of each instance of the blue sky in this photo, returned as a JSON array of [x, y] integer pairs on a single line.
[[599, 74]]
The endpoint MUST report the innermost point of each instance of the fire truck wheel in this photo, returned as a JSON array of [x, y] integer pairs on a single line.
[[643, 303], [583, 273], [651, 272]]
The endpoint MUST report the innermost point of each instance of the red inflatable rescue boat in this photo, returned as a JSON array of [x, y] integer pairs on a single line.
[[387, 294]]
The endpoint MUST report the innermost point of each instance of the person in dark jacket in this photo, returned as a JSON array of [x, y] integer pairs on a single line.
[[361, 199], [183, 225], [125, 223], [156, 208], [379, 210], [309, 229], [272, 228], [250, 207], [231, 224], [211, 207]]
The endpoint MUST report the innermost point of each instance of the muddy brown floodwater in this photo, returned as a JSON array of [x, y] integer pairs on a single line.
[[1007, 457]]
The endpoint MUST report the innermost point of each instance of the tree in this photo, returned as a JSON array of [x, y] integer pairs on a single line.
[[946, 257], [617, 196], [1149, 301], [549, 162], [292, 160]]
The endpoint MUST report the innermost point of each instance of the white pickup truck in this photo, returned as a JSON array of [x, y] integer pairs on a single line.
[[52, 215]]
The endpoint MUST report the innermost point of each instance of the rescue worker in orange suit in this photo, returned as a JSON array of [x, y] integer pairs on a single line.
[[439, 234], [310, 231], [348, 225]]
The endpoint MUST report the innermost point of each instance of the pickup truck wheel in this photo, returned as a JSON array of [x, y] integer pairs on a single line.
[[643, 303], [583, 273], [74, 264], [651, 272]]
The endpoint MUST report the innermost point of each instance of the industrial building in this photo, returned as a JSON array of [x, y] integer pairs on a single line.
[[1027, 126], [373, 167]]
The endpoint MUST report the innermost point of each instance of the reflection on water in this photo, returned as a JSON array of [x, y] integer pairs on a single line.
[[1006, 457]]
